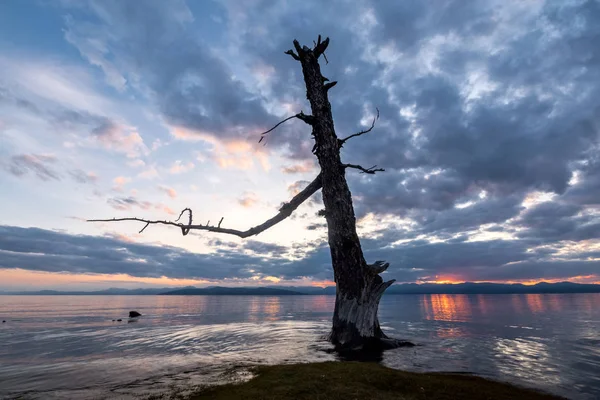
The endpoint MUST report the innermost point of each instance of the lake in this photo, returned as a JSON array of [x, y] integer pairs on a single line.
[[69, 347]]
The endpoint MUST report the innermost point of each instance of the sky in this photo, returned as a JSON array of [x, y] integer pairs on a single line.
[[488, 134]]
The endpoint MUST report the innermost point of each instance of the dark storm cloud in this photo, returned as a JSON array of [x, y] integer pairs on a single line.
[[536, 270], [51, 251], [506, 103], [553, 221], [525, 132], [477, 261], [586, 192], [193, 88], [264, 248], [43, 250], [455, 220]]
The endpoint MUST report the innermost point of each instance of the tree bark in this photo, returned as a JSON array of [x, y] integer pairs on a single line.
[[358, 285]]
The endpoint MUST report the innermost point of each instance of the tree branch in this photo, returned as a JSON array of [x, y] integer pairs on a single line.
[[183, 230], [329, 85], [342, 141], [298, 48], [284, 212], [321, 47], [371, 170], [294, 56], [378, 267], [309, 119]]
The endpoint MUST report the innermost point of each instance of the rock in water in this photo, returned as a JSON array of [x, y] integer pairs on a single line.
[[119, 320], [3, 321], [133, 314]]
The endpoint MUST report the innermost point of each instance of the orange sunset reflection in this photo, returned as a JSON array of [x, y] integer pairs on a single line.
[[535, 303], [446, 307], [271, 308]]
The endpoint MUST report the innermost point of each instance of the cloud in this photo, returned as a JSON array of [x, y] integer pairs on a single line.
[[417, 260], [488, 131], [297, 187], [36, 164], [112, 135], [172, 193], [306, 166], [80, 176], [229, 154], [262, 248], [248, 200], [136, 163], [191, 86], [119, 182], [127, 203], [21, 248], [179, 167], [164, 208], [149, 173], [68, 119]]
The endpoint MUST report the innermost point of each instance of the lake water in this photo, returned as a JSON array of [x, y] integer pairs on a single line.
[[69, 347]]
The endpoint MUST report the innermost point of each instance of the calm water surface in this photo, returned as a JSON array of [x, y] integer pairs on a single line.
[[68, 346]]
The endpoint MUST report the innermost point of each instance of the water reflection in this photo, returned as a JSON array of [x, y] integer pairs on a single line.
[[527, 359], [446, 307], [272, 307], [535, 303], [484, 307], [254, 309], [61, 346]]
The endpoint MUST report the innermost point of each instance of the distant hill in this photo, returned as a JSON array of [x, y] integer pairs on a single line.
[[110, 291], [404, 288], [492, 288], [215, 291]]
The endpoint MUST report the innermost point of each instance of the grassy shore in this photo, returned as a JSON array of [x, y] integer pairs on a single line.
[[359, 380]]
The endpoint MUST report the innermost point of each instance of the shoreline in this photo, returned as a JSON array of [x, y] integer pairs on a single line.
[[345, 380]]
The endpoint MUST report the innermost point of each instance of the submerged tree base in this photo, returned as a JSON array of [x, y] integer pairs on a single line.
[[356, 380], [367, 348]]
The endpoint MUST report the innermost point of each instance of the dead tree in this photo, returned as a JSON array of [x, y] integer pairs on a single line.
[[359, 286]]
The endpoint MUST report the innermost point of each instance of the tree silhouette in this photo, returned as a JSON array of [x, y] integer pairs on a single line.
[[359, 286]]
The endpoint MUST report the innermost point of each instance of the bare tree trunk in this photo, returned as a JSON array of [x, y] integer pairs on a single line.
[[358, 285]]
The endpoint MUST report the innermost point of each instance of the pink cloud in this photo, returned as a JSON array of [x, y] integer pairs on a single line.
[[306, 166], [119, 182], [229, 153], [136, 163], [179, 167], [120, 137], [172, 193], [165, 208], [248, 200], [149, 173]]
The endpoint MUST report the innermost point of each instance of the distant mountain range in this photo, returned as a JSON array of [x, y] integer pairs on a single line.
[[405, 288], [492, 288], [234, 291], [111, 291]]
